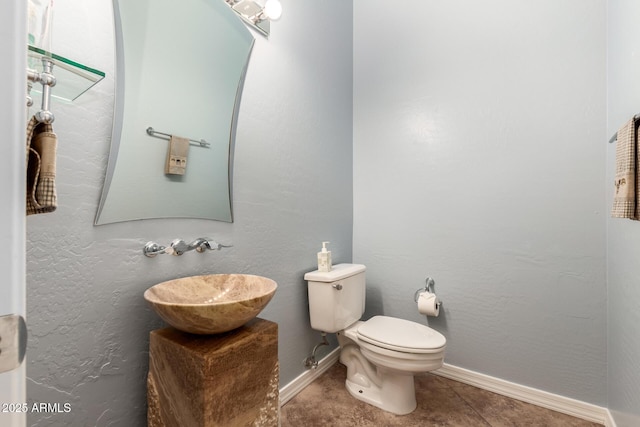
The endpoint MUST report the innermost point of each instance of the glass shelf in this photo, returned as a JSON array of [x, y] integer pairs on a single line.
[[72, 79]]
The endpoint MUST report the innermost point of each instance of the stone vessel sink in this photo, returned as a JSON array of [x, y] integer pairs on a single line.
[[210, 304]]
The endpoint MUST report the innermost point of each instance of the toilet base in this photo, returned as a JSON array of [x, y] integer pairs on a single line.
[[396, 393]]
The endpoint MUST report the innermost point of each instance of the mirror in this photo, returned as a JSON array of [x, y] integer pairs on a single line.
[[180, 69]]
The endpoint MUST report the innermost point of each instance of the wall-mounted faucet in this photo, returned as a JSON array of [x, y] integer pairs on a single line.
[[179, 246], [201, 244]]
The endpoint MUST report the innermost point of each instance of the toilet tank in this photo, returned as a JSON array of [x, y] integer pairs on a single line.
[[336, 298]]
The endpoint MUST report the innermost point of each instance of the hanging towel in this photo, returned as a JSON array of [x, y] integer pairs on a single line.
[[41, 168], [626, 199], [177, 152]]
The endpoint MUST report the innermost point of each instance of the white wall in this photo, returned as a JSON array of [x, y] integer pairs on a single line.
[[12, 187], [623, 237], [479, 139], [292, 189]]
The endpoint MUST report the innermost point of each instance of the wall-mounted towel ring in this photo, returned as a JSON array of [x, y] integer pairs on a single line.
[[152, 132]]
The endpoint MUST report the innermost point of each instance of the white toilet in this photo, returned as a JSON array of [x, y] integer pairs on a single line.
[[381, 354]]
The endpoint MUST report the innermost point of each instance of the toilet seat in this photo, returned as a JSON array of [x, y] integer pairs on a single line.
[[400, 335]]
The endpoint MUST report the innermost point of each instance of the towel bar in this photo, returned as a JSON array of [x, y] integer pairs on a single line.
[[614, 138], [152, 132]]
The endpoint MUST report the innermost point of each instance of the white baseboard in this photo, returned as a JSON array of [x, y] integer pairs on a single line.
[[307, 377], [608, 420], [565, 405]]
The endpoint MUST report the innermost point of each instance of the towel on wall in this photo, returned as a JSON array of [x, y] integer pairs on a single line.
[[626, 198], [41, 168], [177, 152]]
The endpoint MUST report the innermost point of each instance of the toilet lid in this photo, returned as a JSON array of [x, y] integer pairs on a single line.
[[400, 335]]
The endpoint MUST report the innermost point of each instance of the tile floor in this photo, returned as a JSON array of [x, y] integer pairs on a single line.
[[441, 402]]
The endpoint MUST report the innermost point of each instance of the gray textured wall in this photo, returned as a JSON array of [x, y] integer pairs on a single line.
[[493, 128], [479, 138], [88, 322], [623, 237]]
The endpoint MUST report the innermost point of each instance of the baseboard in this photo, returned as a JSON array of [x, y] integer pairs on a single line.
[[307, 377], [608, 420], [565, 405]]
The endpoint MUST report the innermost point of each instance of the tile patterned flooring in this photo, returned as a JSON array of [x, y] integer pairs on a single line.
[[441, 402]]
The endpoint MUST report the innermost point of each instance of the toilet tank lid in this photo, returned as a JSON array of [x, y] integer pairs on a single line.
[[338, 272]]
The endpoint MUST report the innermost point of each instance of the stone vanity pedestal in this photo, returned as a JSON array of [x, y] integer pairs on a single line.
[[229, 379]]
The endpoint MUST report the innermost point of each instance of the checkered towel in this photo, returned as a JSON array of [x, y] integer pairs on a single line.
[[41, 168]]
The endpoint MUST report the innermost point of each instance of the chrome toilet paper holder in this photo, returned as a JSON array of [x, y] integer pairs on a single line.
[[430, 283]]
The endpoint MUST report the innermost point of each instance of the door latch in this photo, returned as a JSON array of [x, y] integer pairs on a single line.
[[13, 341]]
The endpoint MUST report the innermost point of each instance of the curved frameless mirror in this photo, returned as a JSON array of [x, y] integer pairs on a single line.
[[180, 70]]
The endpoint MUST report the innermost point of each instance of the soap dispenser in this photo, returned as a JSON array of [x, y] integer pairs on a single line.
[[324, 259]]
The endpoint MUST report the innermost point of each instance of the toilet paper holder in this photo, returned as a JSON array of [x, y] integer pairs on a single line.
[[428, 288]]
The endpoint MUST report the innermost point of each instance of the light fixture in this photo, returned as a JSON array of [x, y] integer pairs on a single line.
[[272, 9], [257, 14]]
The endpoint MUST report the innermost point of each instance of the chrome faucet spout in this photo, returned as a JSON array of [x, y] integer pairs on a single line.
[[201, 244], [204, 243]]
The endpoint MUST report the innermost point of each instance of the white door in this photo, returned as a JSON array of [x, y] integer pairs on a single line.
[[13, 35]]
